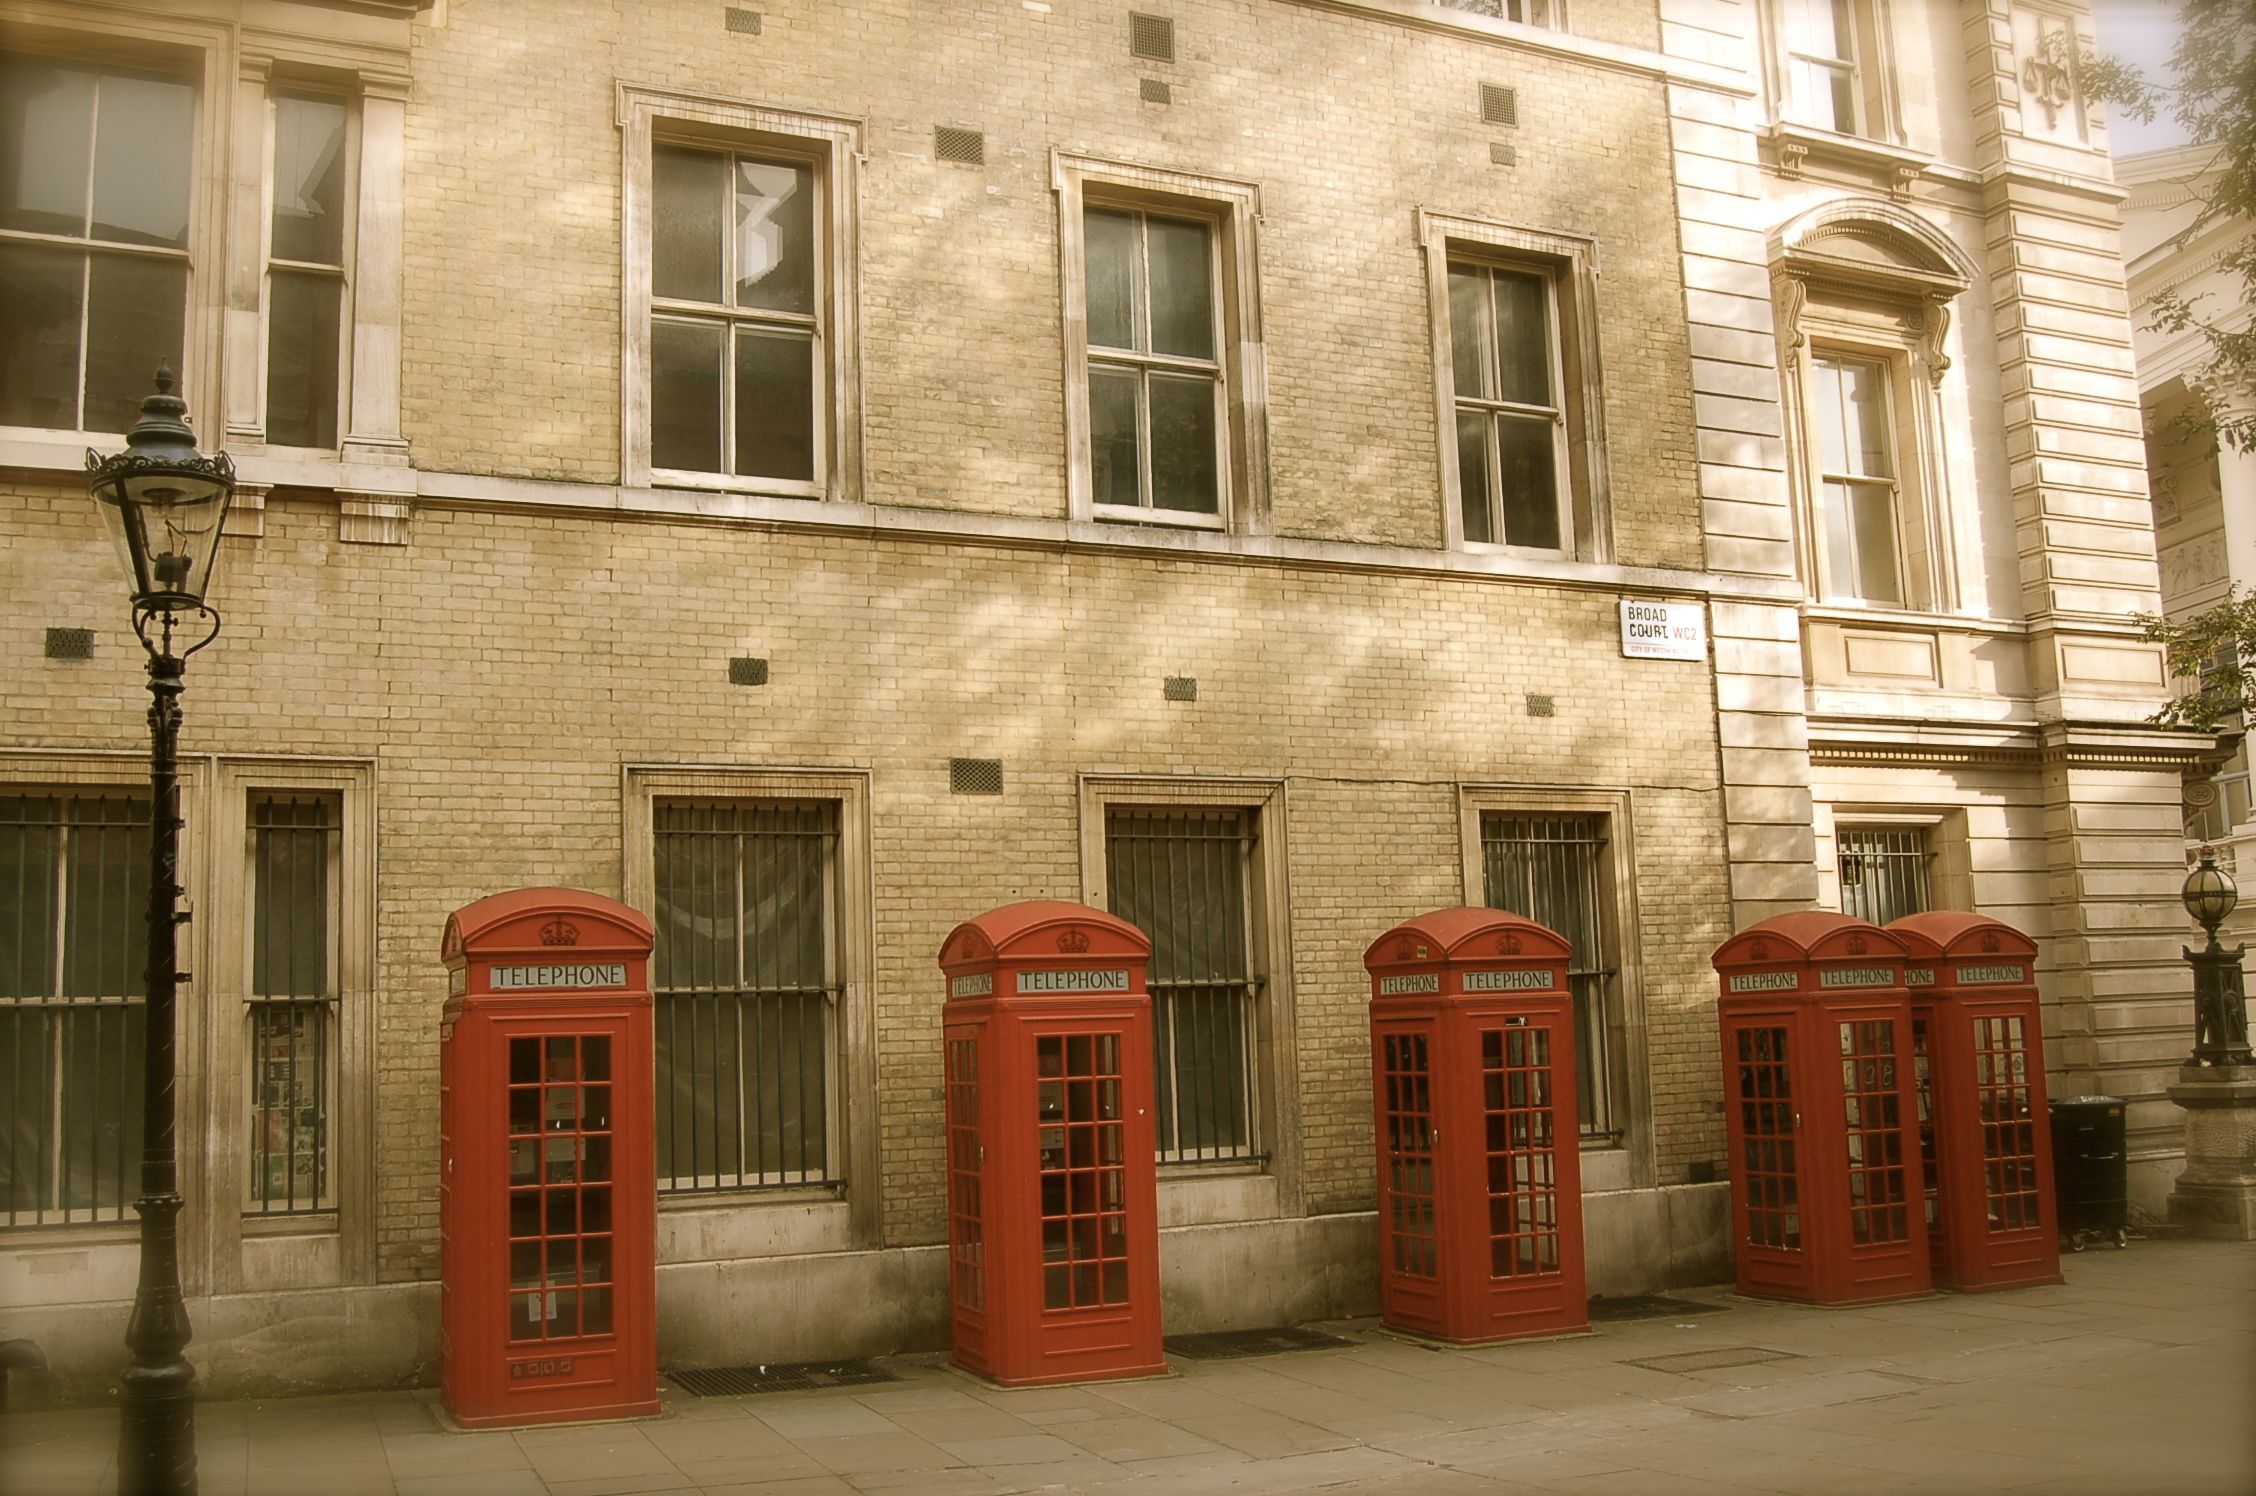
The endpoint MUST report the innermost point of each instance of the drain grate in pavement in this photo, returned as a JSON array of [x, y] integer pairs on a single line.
[[1229, 1345], [741, 1381], [1648, 1306], [1715, 1360]]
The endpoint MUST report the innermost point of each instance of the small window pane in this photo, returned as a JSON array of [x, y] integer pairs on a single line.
[[141, 160], [1874, 509], [29, 847], [106, 895], [46, 137], [290, 893], [309, 180], [685, 395], [1864, 407], [1182, 435], [40, 289], [1110, 252], [1527, 470], [1182, 288], [689, 188], [1523, 339], [301, 359], [1113, 435], [1467, 326], [775, 237], [1840, 542], [1832, 424], [134, 318], [775, 405], [1473, 473]]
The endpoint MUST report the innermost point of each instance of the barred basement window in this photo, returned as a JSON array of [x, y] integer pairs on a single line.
[[74, 895], [1551, 869], [1182, 877], [1884, 872], [747, 988], [293, 1001]]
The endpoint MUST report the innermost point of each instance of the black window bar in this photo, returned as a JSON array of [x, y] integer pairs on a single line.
[[293, 1001], [1182, 877], [1551, 869], [1884, 872], [746, 985], [74, 896]]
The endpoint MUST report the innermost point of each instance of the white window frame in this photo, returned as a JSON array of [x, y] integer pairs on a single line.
[[347, 252], [832, 145], [252, 1251], [192, 50], [1871, 63], [1546, 15], [1628, 1161], [1199, 1193], [1233, 209], [1831, 589], [777, 1221], [1570, 262]]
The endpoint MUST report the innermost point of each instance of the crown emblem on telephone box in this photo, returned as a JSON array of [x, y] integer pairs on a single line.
[[560, 931], [1074, 942]]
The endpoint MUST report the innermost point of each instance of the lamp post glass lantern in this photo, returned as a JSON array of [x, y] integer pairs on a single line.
[[2220, 1004], [163, 502]]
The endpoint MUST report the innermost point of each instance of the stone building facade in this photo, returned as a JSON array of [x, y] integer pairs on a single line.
[[819, 471]]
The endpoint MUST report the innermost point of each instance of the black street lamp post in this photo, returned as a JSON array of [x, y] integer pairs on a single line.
[[2220, 1003], [163, 502]]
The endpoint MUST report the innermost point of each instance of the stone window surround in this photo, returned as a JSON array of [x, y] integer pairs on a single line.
[[1630, 1162], [1894, 308], [726, 1225], [1882, 93], [1950, 874], [1193, 1194], [250, 1252], [1234, 209], [834, 145], [1571, 260]]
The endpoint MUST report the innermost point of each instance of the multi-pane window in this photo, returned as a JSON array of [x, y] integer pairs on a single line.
[[74, 895], [1510, 405], [1183, 877], [1822, 48], [94, 174], [1157, 416], [1884, 872], [736, 315], [305, 274], [293, 1001], [1856, 517], [1527, 12], [747, 989], [1552, 869]]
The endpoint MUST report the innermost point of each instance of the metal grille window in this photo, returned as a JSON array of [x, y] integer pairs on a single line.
[[1182, 877], [1884, 872], [74, 896], [293, 1001], [1551, 869], [94, 176], [747, 990]]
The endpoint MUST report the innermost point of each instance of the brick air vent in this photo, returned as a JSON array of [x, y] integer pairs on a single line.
[[965, 147], [1500, 154], [70, 644], [748, 670], [1151, 37], [975, 776], [1499, 105], [1154, 91], [1540, 706], [746, 22], [1180, 688]]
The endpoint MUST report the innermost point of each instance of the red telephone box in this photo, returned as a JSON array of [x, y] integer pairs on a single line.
[[547, 1195], [1053, 1193], [1985, 1139], [1820, 1111], [1480, 1166]]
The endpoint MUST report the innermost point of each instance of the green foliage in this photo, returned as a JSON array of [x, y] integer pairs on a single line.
[[2212, 648]]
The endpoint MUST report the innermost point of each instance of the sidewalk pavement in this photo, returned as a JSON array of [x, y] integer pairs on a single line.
[[2137, 1375]]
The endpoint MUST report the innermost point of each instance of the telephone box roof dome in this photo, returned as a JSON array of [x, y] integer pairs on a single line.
[[1807, 935], [1047, 929], [1466, 933], [1955, 932], [565, 910]]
